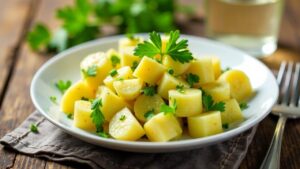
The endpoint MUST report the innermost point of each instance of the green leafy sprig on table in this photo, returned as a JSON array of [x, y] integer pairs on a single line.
[[84, 21], [175, 48]]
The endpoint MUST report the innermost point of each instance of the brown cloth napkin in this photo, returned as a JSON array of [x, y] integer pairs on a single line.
[[52, 143]]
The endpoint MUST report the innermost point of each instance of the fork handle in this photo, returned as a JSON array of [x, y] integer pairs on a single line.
[[272, 159]]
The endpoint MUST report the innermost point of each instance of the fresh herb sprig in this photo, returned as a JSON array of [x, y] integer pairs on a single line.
[[175, 48], [97, 115], [243, 105], [169, 109], [34, 128], [91, 71], [149, 114], [149, 90], [192, 79], [62, 85], [210, 105]]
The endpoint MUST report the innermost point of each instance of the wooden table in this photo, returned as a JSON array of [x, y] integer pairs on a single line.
[[18, 64]]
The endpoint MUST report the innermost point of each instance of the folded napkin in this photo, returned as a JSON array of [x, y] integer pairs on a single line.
[[52, 143]]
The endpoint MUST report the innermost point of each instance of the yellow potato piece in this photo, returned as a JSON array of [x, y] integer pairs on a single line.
[[240, 86], [149, 70], [74, 93], [124, 126], [162, 127], [203, 68], [127, 42], [169, 82], [216, 66], [102, 65], [232, 112], [219, 91], [205, 124], [113, 56], [188, 103], [123, 73], [128, 89], [164, 41], [111, 103], [127, 57], [143, 104], [179, 68], [82, 116]]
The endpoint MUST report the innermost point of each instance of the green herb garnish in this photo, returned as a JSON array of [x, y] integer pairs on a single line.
[[39, 37], [34, 128], [53, 99], [70, 116], [122, 118], [97, 115], [90, 72], [134, 65], [192, 79], [243, 105], [209, 104], [149, 90], [113, 73], [149, 114], [169, 109], [226, 69], [115, 60], [225, 126], [62, 86], [180, 88], [177, 50], [171, 71]]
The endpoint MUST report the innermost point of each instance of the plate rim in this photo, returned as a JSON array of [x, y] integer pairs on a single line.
[[143, 144]]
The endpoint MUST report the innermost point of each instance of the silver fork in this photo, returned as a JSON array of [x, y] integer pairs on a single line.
[[288, 106]]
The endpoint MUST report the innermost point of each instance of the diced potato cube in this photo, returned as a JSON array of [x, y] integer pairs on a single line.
[[111, 103], [98, 63], [128, 89], [162, 127], [217, 66], [127, 42], [219, 91], [144, 104], [124, 126], [189, 103], [127, 57], [203, 68], [74, 93], [169, 82], [82, 116], [179, 68], [114, 58], [205, 124], [232, 112], [240, 86], [149, 70], [123, 73]]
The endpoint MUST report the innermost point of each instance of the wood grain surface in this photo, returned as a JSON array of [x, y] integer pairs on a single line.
[[18, 64]]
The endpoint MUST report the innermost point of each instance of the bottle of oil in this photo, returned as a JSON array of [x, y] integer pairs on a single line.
[[251, 25]]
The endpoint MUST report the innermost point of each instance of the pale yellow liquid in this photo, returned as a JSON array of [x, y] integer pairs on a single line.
[[251, 25]]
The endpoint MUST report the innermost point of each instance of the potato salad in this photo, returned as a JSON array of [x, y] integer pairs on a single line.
[[155, 89]]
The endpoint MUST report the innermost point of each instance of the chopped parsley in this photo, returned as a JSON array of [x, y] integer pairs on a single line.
[[171, 71], [62, 86], [34, 128], [70, 116], [103, 134], [97, 115], [225, 126], [149, 114], [115, 60], [192, 79], [149, 90], [53, 99], [169, 109], [84, 98], [120, 79], [243, 105], [90, 72], [175, 48], [113, 73], [226, 69], [180, 88], [209, 104], [122, 118], [134, 65]]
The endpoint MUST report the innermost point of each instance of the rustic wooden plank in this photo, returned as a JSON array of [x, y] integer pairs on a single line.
[[64, 165], [17, 103]]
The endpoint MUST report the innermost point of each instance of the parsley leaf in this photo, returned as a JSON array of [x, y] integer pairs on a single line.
[[34, 128], [169, 109], [149, 90], [226, 69], [97, 115], [113, 73], [103, 134], [90, 72], [177, 50], [192, 78], [114, 60], [134, 65], [53, 99], [180, 88], [122, 118], [243, 105], [209, 104], [62, 86], [149, 114], [70, 116], [171, 71], [225, 126], [38, 37]]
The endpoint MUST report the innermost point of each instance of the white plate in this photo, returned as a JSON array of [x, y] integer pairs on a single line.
[[65, 66]]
